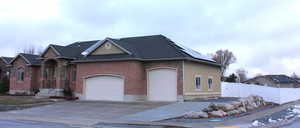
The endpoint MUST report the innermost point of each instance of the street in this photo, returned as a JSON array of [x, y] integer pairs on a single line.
[[295, 124], [31, 124]]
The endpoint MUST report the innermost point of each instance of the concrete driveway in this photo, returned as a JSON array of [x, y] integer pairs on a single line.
[[81, 112]]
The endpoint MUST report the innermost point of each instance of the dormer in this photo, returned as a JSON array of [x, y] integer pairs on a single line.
[[105, 47]]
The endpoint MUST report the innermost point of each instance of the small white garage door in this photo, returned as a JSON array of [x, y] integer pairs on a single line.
[[109, 88], [162, 85]]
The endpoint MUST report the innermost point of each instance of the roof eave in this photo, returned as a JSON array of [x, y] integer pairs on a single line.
[[139, 59]]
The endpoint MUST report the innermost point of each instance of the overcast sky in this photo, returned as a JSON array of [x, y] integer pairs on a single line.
[[263, 34]]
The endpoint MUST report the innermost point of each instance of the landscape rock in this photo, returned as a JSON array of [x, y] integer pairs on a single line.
[[234, 112], [236, 104], [221, 106], [219, 113], [232, 108], [208, 109], [242, 109], [195, 115]]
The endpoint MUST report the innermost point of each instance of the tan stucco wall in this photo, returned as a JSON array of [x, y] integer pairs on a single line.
[[191, 70], [102, 50]]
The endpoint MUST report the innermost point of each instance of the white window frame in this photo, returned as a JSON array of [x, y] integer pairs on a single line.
[[20, 74], [210, 88], [195, 82]]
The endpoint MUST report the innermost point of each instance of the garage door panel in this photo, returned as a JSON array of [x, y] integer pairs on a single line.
[[104, 88], [162, 85]]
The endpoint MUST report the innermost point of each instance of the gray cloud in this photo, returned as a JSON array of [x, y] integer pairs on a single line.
[[258, 32]]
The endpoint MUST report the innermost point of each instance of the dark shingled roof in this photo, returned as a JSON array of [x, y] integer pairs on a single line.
[[7, 60], [29, 58], [144, 48], [156, 47], [74, 50]]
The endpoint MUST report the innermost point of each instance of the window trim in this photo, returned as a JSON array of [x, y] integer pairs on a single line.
[[212, 83], [20, 73], [195, 83]]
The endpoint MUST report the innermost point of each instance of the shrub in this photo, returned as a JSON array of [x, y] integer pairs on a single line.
[[4, 85]]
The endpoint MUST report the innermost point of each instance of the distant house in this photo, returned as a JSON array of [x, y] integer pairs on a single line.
[[280, 81], [150, 68], [4, 66]]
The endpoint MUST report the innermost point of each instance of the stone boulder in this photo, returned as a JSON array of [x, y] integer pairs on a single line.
[[221, 106], [233, 112], [193, 114], [219, 113]]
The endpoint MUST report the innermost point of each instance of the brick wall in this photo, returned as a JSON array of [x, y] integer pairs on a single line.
[[134, 73], [20, 85], [131, 71]]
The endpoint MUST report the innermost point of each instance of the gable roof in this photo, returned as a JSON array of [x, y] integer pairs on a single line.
[[145, 48], [7, 60], [280, 79], [71, 51], [31, 60]]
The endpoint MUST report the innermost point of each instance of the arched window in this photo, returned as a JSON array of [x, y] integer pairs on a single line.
[[21, 74]]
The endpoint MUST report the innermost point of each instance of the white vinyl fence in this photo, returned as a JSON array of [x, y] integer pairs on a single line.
[[271, 94]]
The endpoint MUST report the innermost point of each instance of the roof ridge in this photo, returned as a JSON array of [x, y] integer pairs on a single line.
[[138, 36], [29, 54], [77, 42]]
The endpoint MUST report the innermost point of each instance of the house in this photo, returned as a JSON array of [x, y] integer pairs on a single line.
[[25, 74], [280, 81], [4, 66], [4, 72], [150, 68]]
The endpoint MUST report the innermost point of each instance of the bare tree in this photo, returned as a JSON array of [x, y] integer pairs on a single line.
[[258, 75], [31, 50], [242, 74], [225, 58], [294, 75]]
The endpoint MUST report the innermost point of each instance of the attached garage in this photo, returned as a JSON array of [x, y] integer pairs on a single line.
[[162, 84], [104, 87]]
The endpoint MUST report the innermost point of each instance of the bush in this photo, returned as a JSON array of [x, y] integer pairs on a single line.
[[4, 85]]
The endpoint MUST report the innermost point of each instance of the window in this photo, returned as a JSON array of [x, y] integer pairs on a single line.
[[21, 74], [107, 45], [210, 83], [74, 75], [46, 73], [198, 82]]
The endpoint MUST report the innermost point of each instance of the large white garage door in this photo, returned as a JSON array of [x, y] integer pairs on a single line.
[[110, 88], [162, 85]]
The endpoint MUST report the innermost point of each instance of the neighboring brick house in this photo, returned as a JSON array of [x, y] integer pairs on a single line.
[[5, 66], [280, 81], [128, 69], [25, 74]]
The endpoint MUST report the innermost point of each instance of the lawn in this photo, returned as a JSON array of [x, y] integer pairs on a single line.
[[20, 100]]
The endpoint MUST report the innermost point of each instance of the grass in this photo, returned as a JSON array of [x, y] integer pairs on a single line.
[[20, 100]]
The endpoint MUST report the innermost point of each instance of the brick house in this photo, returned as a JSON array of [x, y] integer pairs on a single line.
[[5, 66], [128, 69], [25, 74], [279, 81]]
